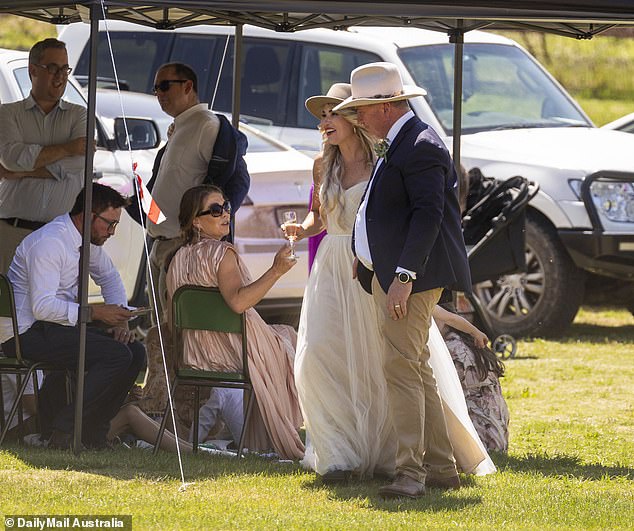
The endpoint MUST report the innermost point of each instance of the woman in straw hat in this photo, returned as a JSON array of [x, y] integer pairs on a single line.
[[337, 365]]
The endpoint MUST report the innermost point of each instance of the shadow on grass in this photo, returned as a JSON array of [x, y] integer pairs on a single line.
[[561, 465], [366, 491], [135, 463], [596, 333]]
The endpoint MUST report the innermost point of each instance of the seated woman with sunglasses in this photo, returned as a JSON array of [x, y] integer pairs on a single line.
[[206, 260]]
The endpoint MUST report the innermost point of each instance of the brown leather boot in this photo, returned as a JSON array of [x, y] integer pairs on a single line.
[[403, 487]]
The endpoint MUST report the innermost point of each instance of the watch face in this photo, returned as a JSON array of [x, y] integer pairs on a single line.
[[404, 277]]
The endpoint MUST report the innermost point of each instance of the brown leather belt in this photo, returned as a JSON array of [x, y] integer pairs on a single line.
[[23, 223]]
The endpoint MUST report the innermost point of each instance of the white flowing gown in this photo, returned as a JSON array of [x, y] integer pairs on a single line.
[[338, 368]]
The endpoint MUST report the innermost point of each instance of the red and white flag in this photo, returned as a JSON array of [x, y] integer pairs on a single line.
[[150, 207]]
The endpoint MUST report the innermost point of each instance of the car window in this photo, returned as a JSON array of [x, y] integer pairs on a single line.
[[627, 128], [503, 88], [24, 82], [321, 66], [198, 51], [264, 92], [137, 55]]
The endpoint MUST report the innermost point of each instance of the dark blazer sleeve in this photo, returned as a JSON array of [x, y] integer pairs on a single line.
[[227, 168], [426, 173]]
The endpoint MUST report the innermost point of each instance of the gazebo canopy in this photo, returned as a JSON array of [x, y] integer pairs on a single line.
[[580, 18]]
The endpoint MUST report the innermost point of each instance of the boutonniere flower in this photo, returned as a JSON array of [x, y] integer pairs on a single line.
[[381, 148]]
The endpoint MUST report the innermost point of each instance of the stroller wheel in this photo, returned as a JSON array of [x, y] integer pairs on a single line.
[[504, 346]]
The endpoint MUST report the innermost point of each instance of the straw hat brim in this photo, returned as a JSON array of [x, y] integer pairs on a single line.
[[409, 91], [315, 104]]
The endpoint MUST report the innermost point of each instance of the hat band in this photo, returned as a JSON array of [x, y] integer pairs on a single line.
[[383, 96]]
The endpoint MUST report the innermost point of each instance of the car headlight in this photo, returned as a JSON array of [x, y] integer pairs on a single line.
[[612, 198]]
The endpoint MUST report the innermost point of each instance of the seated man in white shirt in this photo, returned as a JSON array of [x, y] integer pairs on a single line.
[[45, 277]]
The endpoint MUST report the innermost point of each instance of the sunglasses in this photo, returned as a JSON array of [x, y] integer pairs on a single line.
[[164, 85], [53, 69], [216, 210], [112, 224]]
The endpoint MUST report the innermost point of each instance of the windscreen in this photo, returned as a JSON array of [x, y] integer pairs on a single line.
[[503, 88]]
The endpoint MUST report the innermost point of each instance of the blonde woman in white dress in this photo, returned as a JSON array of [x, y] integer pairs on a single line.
[[338, 363]]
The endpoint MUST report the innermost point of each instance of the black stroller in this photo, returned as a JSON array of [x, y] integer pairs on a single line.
[[494, 233]]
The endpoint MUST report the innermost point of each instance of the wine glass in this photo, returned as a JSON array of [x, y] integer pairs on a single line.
[[290, 217]]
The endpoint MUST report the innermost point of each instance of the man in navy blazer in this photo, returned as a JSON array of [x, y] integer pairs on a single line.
[[409, 247]]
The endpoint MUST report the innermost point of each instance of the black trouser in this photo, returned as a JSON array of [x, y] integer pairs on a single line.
[[111, 369]]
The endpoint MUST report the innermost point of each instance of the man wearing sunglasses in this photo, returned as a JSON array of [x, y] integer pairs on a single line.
[[44, 275], [42, 147], [203, 148]]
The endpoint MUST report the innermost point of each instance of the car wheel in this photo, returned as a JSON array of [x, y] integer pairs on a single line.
[[544, 300]]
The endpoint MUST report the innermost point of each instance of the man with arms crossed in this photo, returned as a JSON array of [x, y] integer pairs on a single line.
[[42, 147], [409, 246]]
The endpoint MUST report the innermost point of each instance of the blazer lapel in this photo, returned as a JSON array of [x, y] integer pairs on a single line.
[[375, 178], [393, 145]]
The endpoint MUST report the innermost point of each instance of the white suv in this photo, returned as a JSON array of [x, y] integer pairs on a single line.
[[517, 120]]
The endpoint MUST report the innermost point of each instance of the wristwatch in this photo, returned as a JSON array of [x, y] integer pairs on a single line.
[[404, 277]]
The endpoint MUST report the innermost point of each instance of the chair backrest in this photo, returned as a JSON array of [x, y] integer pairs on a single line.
[[7, 310], [204, 308]]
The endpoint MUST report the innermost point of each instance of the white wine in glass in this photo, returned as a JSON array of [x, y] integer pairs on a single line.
[[290, 217]]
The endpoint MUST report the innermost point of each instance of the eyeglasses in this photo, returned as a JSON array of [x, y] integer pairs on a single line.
[[112, 224], [216, 210], [54, 69], [164, 85]]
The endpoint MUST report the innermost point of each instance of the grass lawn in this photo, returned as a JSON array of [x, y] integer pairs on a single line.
[[571, 463]]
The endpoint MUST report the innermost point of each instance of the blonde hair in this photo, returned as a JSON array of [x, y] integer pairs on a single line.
[[330, 190]]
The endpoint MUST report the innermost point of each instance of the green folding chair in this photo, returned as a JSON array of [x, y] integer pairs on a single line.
[[22, 368], [203, 308]]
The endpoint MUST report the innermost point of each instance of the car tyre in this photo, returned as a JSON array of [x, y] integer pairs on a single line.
[[542, 301]]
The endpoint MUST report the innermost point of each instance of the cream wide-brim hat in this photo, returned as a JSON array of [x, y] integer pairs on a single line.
[[378, 83], [335, 95]]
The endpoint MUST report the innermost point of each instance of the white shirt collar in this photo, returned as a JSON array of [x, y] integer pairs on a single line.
[[188, 112], [29, 103], [75, 235]]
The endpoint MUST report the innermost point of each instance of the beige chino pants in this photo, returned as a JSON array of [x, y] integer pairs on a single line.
[[417, 413]]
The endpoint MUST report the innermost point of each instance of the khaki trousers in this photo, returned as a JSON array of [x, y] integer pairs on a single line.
[[417, 413], [161, 250], [10, 238]]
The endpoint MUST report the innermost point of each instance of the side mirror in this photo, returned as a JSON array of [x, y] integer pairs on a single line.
[[143, 133]]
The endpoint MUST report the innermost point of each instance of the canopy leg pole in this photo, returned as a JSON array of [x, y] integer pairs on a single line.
[[457, 38], [237, 80], [84, 260]]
